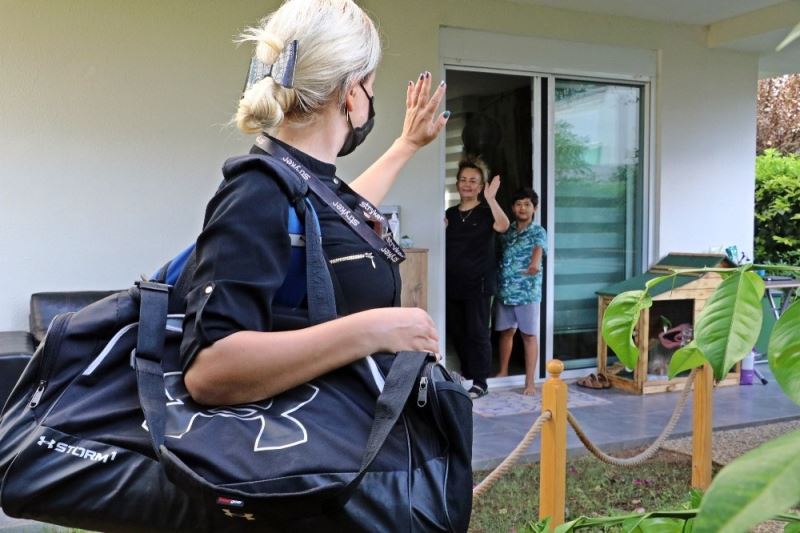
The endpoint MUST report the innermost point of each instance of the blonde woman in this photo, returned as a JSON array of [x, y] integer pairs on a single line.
[[316, 103]]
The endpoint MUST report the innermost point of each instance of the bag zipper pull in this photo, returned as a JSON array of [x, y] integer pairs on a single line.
[[422, 395], [37, 394]]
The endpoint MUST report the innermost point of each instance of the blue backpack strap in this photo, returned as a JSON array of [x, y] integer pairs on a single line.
[[176, 265], [293, 291]]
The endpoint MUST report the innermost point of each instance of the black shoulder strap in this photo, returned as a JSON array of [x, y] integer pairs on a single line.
[[293, 186]]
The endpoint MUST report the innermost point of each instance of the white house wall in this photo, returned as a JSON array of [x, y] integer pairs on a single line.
[[113, 127]]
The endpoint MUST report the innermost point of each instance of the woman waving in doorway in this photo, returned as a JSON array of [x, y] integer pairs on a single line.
[[471, 269]]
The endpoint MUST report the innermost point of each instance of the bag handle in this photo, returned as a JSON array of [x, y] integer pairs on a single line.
[[153, 303], [398, 386]]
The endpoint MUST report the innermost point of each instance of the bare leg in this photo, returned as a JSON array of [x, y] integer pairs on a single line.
[[531, 345], [504, 345]]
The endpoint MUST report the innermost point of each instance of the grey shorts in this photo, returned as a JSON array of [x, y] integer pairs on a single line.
[[522, 317]]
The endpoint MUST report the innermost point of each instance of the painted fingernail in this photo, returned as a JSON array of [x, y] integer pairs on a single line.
[[410, 83], [427, 74], [422, 75], [447, 114], [441, 83]]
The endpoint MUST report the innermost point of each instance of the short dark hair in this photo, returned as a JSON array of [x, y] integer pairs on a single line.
[[525, 192]]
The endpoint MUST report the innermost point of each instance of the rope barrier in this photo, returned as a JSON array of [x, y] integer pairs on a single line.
[[512, 457], [652, 449], [534, 430]]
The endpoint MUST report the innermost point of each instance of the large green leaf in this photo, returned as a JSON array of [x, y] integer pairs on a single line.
[[654, 525], [783, 351], [618, 322], [792, 528], [658, 521], [728, 327], [686, 358], [753, 488]]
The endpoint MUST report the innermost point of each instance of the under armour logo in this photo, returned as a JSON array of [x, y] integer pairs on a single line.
[[43, 440], [247, 516], [277, 428]]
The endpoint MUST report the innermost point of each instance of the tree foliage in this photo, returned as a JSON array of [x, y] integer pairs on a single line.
[[777, 208], [778, 120]]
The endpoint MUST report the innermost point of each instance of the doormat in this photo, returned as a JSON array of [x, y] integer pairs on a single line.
[[513, 402]]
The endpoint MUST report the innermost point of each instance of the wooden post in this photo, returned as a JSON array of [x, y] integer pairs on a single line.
[[602, 347], [701, 427], [642, 341], [553, 459]]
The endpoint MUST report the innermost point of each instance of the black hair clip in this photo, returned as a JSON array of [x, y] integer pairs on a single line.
[[282, 70]]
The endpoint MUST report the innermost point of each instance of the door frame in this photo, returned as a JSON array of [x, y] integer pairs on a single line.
[[543, 168]]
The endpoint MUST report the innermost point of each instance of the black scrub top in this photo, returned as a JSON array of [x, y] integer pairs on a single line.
[[470, 252], [243, 257]]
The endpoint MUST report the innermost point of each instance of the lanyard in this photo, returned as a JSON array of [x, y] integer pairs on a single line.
[[386, 246]]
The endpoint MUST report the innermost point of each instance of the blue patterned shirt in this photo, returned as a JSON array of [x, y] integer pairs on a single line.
[[515, 287]]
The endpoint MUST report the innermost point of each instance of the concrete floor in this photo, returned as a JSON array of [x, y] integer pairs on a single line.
[[632, 421]]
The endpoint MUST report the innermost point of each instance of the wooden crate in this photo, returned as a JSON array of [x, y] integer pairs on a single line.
[[692, 296]]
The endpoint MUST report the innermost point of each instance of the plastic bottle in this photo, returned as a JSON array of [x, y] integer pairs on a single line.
[[394, 226], [748, 366]]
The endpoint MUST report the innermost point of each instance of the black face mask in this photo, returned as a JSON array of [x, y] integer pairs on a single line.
[[357, 135]]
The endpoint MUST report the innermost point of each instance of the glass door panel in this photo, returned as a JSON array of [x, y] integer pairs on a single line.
[[598, 205]]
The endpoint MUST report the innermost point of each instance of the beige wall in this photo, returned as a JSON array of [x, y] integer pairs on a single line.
[[112, 128]]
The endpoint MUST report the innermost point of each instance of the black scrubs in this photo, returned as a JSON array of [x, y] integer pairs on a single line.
[[471, 278]]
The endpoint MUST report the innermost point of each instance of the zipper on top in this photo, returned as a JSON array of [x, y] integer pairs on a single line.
[[354, 257]]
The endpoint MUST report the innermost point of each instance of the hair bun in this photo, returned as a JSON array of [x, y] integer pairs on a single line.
[[268, 48]]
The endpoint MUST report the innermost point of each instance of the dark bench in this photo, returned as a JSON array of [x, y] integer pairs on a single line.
[[17, 347]]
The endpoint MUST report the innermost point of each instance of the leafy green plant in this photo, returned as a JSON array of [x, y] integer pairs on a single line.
[[777, 208], [764, 482]]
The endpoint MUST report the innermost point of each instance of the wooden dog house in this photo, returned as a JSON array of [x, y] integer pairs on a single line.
[[679, 301]]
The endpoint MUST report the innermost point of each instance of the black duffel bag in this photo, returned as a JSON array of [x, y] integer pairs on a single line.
[[100, 433]]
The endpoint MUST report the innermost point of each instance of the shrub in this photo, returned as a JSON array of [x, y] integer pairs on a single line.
[[777, 208]]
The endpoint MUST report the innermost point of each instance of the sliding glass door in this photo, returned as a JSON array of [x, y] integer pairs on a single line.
[[598, 177]]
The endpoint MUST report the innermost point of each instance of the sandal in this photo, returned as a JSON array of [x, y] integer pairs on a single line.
[[477, 392], [594, 381]]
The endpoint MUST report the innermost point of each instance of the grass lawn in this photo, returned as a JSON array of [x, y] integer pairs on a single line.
[[593, 489]]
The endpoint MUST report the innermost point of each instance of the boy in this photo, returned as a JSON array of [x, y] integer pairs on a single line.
[[520, 284]]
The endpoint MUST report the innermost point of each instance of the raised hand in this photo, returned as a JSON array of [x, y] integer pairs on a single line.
[[422, 124], [490, 191]]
